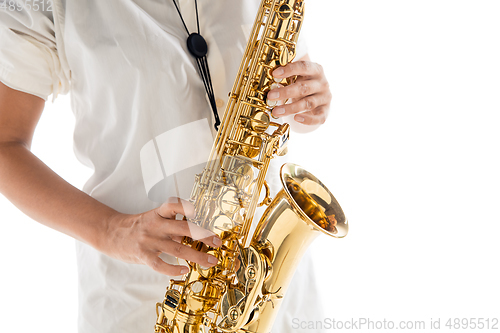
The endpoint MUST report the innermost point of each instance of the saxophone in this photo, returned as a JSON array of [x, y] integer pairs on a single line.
[[243, 292]]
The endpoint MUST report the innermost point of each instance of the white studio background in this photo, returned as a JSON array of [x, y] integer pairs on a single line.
[[410, 150]]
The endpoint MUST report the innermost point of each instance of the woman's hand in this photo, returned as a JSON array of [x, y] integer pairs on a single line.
[[310, 95], [142, 238], [49, 199]]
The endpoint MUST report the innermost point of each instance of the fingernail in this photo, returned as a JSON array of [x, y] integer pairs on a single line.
[[212, 260], [279, 110], [299, 119], [273, 94], [217, 241], [272, 103], [184, 270], [279, 71]]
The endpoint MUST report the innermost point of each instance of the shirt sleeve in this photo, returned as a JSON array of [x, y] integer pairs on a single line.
[[29, 59]]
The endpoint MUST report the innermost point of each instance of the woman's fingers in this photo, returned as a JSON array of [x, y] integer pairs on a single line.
[[309, 103], [173, 227], [299, 89], [142, 238], [298, 68], [185, 228], [174, 206], [185, 252], [178, 250], [316, 117], [156, 263], [308, 98]]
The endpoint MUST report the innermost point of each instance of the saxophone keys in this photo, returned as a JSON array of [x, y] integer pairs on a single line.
[[284, 55], [232, 306], [201, 296], [260, 121], [271, 104], [222, 223], [244, 176], [210, 272], [285, 11], [229, 201], [267, 200], [282, 134], [251, 146], [196, 287]]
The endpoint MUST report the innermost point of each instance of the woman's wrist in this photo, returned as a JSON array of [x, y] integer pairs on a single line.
[[113, 227]]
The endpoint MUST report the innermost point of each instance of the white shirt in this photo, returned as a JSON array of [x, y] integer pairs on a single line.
[[142, 123]]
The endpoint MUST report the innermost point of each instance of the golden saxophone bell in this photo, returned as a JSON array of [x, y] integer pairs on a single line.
[[300, 212]]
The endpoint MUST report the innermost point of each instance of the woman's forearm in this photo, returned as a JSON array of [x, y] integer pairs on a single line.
[[47, 198]]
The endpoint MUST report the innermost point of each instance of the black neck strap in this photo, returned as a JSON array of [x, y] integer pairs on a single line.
[[198, 48]]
